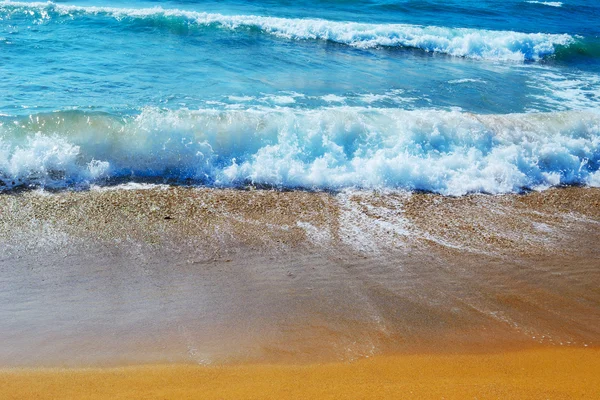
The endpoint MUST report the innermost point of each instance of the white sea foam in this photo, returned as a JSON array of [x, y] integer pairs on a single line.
[[564, 91], [466, 80], [383, 225], [547, 3], [282, 99], [332, 98], [392, 97], [462, 42], [448, 152], [241, 98], [128, 186]]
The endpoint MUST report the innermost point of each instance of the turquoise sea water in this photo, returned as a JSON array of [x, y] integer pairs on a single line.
[[445, 96]]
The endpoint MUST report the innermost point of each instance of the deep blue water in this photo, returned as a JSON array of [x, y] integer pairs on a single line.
[[448, 96]]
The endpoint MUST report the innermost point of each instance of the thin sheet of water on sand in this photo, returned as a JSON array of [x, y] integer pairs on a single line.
[[167, 274]]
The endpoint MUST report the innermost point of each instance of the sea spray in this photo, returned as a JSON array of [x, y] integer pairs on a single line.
[[447, 152]]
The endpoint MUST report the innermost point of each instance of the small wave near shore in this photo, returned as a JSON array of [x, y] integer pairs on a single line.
[[447, 152]]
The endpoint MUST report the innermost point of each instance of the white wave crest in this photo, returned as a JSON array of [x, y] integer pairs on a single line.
[[547, 3], [466, 80], [461, 42], [448, 152]]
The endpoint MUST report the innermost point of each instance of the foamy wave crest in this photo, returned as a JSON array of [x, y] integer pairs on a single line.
[[462, 42], [547, 3], [448, 152]]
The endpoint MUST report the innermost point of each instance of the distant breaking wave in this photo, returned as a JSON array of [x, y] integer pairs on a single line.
[[461, 42], [452, 153], [547, 3]]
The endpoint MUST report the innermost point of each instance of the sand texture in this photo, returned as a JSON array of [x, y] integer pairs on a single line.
[[540, 374]]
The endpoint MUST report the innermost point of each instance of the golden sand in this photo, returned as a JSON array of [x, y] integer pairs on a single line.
[[535, 374]]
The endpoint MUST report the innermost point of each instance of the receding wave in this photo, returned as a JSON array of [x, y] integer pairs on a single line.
[[461, 42], [448, 152]]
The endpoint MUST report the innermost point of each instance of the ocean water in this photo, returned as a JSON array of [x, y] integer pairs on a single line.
[[453, 96]]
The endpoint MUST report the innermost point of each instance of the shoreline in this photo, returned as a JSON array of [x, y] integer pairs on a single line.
[[173, 275], [532, 374]]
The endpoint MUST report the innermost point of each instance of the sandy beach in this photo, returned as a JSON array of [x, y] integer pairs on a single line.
[[274, 199], [170, 292], [538, 374]]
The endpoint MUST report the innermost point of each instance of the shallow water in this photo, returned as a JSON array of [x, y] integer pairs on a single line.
[[210, 276]]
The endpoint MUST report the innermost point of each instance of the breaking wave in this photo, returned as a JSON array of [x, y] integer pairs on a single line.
[[447, 152], [461, 42]]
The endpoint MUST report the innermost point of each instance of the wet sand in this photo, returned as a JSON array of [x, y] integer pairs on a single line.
[[539, 374], [176, 277]]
